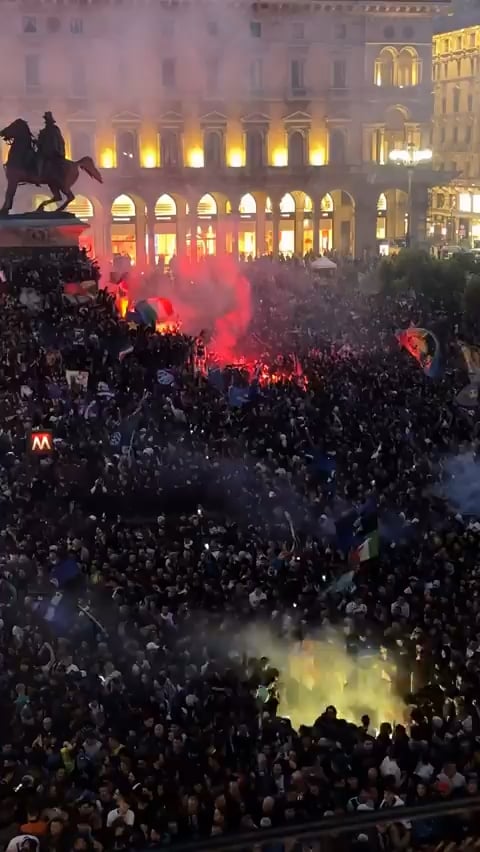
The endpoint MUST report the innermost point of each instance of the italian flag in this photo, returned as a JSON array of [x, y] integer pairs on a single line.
[[368, 549]]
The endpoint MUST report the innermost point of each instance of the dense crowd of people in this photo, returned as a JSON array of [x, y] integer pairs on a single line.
[[166, 521]]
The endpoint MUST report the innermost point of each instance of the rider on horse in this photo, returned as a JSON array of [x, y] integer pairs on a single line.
[[50, 146]]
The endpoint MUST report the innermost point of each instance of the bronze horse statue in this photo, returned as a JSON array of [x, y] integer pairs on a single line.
[[21, 167]]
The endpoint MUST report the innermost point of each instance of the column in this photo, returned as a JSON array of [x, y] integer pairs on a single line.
[[181, 227], [140, 239], [299, 233], [418, 215], [151, 236], [234, 221], [260, 230], [316, 228], [275, 228], [365, 230]]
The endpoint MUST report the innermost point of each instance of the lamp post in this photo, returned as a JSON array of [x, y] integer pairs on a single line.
[[409, 158]]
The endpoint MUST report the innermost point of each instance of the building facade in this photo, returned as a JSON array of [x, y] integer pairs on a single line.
[[248, 128], [455, 217]]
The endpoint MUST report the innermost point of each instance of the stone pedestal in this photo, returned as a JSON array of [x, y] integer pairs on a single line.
[[45, 232]]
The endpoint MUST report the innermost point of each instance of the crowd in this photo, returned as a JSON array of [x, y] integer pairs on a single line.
[[166, 521]]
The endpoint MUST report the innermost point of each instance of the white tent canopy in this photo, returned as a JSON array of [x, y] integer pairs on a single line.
[[323, 263]]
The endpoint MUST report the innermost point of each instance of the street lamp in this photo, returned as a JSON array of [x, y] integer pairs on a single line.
[[410, 157]]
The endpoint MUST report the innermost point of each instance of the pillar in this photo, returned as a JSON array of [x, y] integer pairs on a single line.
[[299, 233], [260, 230], [316, 229], [181, 227], [275, 229], [140, 238], [365, 229], [151, 236]]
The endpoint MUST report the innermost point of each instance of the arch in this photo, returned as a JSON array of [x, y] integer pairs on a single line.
[[296, 149], [123, 207], [326, 203], [337, 146], [407, 67], [385, 67], [207, 206], [382, 202], [248, 205], [287, 203], [395, 130], [165, 206], [81, 207], [213, 148]]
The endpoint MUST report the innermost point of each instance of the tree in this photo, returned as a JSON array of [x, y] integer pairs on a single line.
[[471, 301]]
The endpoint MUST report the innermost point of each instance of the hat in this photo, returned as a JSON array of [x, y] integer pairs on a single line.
[[48, 116]]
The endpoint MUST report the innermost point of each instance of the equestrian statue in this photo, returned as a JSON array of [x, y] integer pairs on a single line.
[[41, 162]]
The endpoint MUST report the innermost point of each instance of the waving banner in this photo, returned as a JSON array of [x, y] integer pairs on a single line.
[[472, 359], [423, 345]]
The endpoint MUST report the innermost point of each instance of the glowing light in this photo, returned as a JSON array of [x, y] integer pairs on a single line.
[[195, 158], [149, 158], [167, 327], [235, 158], [107, 160], [280, 157], [317, 157], [123, 303], [410, 156]]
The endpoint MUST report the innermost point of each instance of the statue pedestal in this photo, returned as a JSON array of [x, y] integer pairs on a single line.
[[44, 232]]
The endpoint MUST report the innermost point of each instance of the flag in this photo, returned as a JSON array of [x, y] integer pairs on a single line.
[[472, 360], [123, 434], [423, 345], [126, 349], [80, 292], [468, 396], [368, 549], [238, 396], [166, 378], [64, 572], [355, 527]]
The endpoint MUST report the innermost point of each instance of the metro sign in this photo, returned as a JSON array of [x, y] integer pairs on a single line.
[[41, 442]]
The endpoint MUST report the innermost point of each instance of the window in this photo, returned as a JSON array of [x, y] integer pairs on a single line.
[[297, 75], [296, 149], [336, 147], [32, 71], [212, 75], [298, 30], [408, 32], [456, 100], [440, 200], [442, 135], [385, 67], [472, 39], [81, 144], [29, 25], [79, 79], [170, 149], [340, 32], [389, 32], [339, 74], [255, 148], [468, 135], [444, 104], [455, 135], [465, 202], [76, 26], [255, 29], [54, 25], [213, 148], [212, 28], [126, 147], [168, 73], [469, 103], [256, 76]]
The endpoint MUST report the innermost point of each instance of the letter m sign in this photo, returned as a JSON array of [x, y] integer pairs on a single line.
[[41, 442]]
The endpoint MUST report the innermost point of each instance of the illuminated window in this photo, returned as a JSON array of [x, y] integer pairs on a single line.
[[123, 207], [297, 75], [165, 206], [339, 74], [476, 203], [308, 205], [287, 204], [326, 204], [127, 147], [407, 68], [248, 205], [382, 202], [385, 67], [81, 207], [207, 206], [465, 202], [76, 26]]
